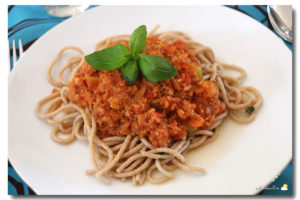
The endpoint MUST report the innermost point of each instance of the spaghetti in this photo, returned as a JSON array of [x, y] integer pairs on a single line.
[[131, 156]]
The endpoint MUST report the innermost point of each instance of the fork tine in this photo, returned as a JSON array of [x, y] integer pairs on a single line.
[[20, 47], [8, 56], [14, 53]]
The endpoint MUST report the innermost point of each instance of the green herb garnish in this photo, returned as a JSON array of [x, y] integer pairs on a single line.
[[154, 68], [250, 110], [137, 42], [130, 71], [110, 58], [161, 159]]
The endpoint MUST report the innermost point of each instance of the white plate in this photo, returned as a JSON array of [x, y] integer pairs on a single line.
[[241, 161]]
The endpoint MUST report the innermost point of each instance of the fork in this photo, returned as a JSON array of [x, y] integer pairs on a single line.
[[15, 52]]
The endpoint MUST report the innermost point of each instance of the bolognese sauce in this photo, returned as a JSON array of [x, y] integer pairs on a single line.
[[162, 112]]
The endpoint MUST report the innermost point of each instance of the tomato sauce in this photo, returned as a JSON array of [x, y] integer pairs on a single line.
[[161, 112]]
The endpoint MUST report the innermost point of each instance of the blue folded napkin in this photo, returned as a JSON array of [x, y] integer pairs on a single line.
[[28, 23]]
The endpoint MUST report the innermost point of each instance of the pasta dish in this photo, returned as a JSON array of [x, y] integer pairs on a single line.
[[142, 131]]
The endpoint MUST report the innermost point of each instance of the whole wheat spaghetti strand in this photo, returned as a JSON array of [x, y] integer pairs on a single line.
[[188, 168], [231, 105], [132, 151], [116, 159], [133, 172], [56, 138], [154, 29], [197, 142], [153, 155], [77, 125], [91, 138], [129, 161], [162, 170], [100, 45], [134, 164], [106, 148], [114, 138], [169, 151], [58, 56], [237, 118], [72, 115], [201, 132], [53, 105], [42, 102], [133, 142], [117, 147], [168, 165], [146, 143], [155, 180], [65, 127], [236, 68], [69, 65]]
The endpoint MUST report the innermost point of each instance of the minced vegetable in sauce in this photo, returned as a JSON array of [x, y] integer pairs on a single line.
[[161, 112]]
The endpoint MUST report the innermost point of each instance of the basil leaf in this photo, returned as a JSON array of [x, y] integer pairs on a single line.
[[137, 42], [109, 59], [130, 71], [156, 68]]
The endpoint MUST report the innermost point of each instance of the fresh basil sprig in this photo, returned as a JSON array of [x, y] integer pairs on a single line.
[[154, 68]]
